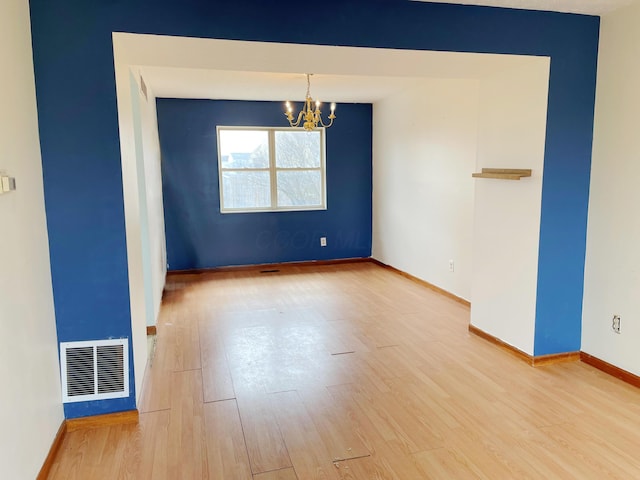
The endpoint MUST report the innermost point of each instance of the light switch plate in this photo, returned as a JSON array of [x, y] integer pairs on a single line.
[[7, 184]]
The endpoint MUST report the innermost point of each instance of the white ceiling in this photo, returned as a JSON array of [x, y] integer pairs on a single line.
[[588, 7], [238, 85], [276, 71]]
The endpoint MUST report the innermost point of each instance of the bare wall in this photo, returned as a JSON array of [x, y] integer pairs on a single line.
[[425, 141], [31, 403], [507, 215], [612, 267]]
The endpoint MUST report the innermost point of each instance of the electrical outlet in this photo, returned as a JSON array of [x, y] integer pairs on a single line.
[[323, 241], [615, 324], [451, 266]]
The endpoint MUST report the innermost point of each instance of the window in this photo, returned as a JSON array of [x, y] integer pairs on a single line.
[[271, 169]]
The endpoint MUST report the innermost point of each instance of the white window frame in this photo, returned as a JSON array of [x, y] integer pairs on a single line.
[[273, 170]]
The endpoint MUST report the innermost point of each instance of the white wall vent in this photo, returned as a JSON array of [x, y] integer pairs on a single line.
[[94, 370]]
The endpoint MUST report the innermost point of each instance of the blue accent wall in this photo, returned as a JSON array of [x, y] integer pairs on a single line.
[[199, 236], [75, 87]]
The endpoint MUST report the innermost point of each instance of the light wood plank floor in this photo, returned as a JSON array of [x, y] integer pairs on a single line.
[[351, 372]]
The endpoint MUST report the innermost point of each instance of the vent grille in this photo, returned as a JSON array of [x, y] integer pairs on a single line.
[[96, 370], [80, 372]]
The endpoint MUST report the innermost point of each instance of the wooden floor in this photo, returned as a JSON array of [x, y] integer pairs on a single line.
[[351, 372]]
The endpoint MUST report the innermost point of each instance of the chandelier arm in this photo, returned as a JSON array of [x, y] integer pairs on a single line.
[[300, 115], [324, 125], [290, 119]]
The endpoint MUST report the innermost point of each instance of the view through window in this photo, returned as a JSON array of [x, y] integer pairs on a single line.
[[267, 169]]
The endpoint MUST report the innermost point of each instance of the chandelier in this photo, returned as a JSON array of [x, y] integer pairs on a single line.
[[309, 118]]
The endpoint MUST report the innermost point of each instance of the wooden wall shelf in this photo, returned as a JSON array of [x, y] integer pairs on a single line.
[[503, 173]]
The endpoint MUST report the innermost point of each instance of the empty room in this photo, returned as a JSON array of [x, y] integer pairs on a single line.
[[389, 239]]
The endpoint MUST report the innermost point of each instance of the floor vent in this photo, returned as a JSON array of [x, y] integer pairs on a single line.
[[95, 370]]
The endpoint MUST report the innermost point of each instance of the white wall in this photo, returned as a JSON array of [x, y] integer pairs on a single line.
[[155, 205], [512, 123], [144, 218], [152, 210], [424, 144], [144, 211], [612, 267], [31, 410]]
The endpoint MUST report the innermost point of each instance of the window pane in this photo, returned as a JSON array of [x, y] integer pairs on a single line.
[[295, 149], [244, 148], [246, 190], [299, 188]]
